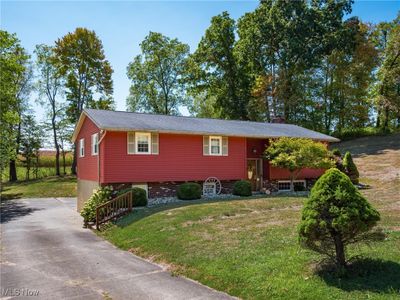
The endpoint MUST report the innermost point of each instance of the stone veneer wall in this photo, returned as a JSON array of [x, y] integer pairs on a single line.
[[169, 188]]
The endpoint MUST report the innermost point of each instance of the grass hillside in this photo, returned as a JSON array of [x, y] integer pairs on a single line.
[[249, 248], [378, 161]]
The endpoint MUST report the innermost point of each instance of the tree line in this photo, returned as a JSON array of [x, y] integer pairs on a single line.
[[296, 59], [67, 77], [300, 60]]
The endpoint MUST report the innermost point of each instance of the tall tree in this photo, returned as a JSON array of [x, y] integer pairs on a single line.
[[216, 73], [388, 85], [157, 75], [50, 85], [12, 67], [80, 58], [281, 39], [31, 141], [23, 85]]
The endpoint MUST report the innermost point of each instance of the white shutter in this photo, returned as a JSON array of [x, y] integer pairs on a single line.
[[131, 142], [154, 143], [206, 145], [225, 146]]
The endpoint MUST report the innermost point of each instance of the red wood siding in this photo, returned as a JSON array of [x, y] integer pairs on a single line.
[[273, 173], [87, 166], [283, 174], [180, 158], [259, 146]]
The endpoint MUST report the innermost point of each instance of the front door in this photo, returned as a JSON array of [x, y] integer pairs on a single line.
[[254, 173]]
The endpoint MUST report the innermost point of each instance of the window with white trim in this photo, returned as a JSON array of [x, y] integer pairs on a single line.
[[81, 147], [95, 144], [284, 185], [143, 142], [215, 145]]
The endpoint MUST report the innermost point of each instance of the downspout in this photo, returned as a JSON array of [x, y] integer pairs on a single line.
[[98, 157]]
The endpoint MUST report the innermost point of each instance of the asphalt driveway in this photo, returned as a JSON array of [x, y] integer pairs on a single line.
[[46, 254]]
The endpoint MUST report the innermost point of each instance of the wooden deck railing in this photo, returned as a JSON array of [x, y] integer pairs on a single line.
[[113, 209]]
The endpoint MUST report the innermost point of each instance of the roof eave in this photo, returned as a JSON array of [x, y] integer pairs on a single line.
[[120, 129]]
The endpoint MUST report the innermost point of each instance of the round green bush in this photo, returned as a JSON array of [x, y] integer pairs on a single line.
[[139, 197], [189, 191], [99, 197], [351, 168], [242, 188]]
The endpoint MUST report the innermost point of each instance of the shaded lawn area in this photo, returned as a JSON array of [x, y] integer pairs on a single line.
[[248, 248], [45, 187]]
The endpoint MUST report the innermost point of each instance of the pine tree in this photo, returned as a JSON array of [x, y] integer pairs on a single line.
[[350, 168], [334, 216]]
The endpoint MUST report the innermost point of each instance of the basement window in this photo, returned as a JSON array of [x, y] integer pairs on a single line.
[[284, 185]]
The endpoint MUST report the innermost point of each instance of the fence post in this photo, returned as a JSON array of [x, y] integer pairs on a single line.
[[130, 201], [97, 218]]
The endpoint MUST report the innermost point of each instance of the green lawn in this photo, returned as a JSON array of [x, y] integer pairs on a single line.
[[249, 249], [46, 187]]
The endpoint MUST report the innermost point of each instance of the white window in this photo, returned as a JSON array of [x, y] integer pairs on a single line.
[[215, 145], [95, 144], [81, 147], [143, 142], [284, 185]]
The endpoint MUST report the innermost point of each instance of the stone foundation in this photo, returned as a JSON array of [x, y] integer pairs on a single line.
[[169, 188], [85, 190]]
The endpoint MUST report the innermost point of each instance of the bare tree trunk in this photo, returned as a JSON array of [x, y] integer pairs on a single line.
[[63, 157], [378, 118], [12, 170], [73, 167], [386, 123], [13, 165], [339, 247], [53, 124]]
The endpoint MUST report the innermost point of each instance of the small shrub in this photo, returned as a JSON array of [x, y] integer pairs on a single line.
[[334, 216], [350, 168], [242, 188], [139, 196], [336, 152], [299, 188], [189, 191], [99, 197]]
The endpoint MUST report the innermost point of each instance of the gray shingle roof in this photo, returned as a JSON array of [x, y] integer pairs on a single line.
[[125, 121]]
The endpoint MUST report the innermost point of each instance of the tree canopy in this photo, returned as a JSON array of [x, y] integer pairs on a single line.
[[296, 154], [80, 58], [157, 75]]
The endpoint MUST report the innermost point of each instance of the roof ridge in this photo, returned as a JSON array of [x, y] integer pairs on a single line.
[[191, 117]]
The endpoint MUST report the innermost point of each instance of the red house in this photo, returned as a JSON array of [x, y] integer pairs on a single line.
[[159, 152]]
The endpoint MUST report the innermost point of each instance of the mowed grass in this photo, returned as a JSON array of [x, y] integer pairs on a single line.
[[45, 187], [249, 248]]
